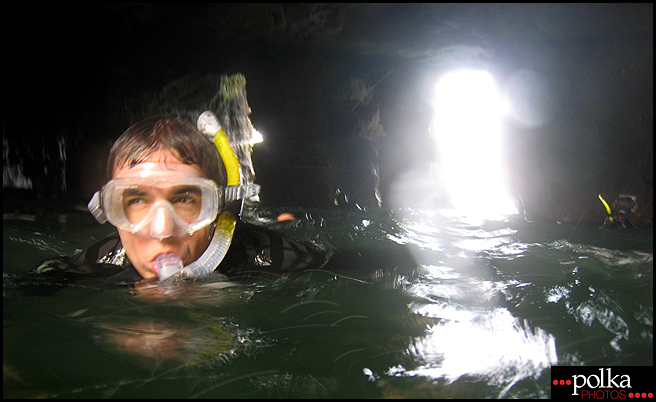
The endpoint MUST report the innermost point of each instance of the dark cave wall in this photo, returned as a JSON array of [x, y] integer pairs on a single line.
[[301, 63]]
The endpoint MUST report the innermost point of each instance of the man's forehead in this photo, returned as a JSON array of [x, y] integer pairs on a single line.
[[161, 169]]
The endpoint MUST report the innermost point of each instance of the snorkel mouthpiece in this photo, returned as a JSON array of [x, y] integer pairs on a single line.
[[167, 265]]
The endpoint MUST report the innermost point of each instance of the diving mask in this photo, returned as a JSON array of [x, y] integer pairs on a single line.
[[158, 208]]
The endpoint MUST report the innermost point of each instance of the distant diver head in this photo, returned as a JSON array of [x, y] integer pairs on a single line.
[[625, 204], [619, 216]]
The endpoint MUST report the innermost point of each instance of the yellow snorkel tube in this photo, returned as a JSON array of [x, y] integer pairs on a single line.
[[229, 159], [225, 225], [608, 210]]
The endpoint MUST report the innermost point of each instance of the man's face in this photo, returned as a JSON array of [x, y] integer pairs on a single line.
[[143, 250]]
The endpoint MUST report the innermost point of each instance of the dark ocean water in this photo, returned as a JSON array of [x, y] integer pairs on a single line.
[[412, 304]]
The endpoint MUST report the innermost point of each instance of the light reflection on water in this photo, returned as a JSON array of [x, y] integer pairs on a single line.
[[494, 346], [476, 337], [413, 304], [481, 338]]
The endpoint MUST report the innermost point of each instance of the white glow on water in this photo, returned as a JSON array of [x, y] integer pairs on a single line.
[[467, 119], [494, 346], [490, 345]]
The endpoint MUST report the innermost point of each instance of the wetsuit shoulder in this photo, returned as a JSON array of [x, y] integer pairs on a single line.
[[105, 259], [255, 248]]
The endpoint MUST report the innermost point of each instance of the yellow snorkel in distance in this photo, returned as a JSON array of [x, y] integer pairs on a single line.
[[608, 210]]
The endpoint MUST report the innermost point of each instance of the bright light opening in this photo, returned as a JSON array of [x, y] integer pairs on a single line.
[[256, 137], [467, 119]]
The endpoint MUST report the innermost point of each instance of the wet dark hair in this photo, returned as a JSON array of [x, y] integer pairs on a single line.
[[170, 134], [625, 204]]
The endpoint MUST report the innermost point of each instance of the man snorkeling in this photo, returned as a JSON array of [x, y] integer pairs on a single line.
[[176, 200], [619, 217]]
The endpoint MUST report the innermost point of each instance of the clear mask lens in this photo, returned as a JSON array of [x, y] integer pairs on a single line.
[[161, 209]]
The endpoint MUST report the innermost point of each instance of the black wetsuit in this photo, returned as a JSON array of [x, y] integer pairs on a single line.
[[619, 221], [253, 249]]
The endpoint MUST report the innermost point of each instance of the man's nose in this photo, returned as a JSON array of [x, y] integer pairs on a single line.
[[162, 225]]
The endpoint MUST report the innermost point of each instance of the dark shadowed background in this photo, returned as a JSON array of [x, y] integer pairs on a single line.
[[336, 89]]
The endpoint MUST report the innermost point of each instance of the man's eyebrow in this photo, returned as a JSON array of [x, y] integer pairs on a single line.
[[182, 189], [133, 191]]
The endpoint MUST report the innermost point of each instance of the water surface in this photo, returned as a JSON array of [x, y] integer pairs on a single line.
[[412, 304]]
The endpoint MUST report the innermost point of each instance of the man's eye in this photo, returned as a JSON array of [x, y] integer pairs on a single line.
[[185, 199], [133, 201]]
